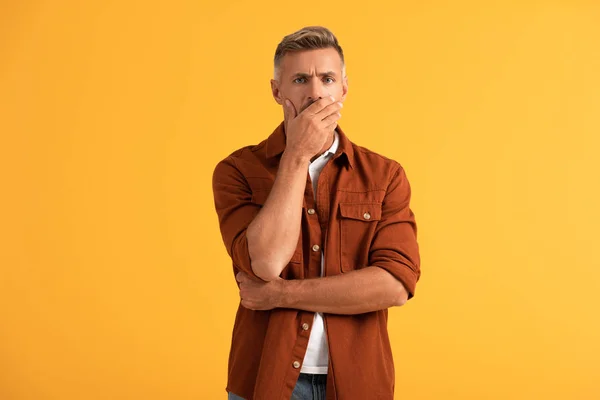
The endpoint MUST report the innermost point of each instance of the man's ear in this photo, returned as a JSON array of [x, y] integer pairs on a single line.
[[344, 88], [275, 91]]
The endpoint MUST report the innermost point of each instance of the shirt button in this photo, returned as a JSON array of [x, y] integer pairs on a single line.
[[305, 326], [296, 364], [367, 215], [316, 247], [311, 211]]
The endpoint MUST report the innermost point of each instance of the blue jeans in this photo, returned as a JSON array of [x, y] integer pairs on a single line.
[[308, 387]]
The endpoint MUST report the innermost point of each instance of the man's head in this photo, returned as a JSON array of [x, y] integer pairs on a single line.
[[308, 65]]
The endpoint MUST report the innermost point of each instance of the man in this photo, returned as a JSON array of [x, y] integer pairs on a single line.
[[322, 240]]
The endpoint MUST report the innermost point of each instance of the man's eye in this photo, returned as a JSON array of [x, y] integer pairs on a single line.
[[299, 80], [329, 79]]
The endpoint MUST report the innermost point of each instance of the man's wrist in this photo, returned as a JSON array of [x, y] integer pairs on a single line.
[[294, 160], [288, 293]]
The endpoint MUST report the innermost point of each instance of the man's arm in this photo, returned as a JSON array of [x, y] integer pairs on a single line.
[[391, 275], [273, 234], [260, 240], [360, 291], [389, 280]]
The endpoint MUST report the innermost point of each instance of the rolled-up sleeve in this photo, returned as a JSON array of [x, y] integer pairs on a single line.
[[235, 210], [394, 246]]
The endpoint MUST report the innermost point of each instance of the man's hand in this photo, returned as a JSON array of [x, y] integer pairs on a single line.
[[257, 295], [307, 132]]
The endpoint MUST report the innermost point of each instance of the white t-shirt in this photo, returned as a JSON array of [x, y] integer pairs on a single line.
[[317, 353]]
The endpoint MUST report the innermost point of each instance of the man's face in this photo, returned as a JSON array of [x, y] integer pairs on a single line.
[[305, 76]]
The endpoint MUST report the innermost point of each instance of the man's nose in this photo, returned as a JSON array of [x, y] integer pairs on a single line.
[[316, 90]]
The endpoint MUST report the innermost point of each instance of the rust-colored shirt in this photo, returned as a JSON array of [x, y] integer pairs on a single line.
[[361, 217]]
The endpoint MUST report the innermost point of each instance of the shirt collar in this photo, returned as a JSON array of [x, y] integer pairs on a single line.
[[341, 144]]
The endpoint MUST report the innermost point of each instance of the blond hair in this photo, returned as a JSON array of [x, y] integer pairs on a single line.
[[307, 38]]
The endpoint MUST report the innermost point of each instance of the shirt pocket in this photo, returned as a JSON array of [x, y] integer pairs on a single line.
[[260, 197], [357, 228]]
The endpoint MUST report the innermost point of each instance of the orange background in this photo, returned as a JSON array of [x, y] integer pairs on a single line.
[[114, 282]]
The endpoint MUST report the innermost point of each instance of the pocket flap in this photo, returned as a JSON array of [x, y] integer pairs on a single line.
[[361, 211]]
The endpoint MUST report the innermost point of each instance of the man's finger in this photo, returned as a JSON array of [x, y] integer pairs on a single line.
[[239, 276], [319, 105], [330, 109], [330, 119], [331, 127], [289, 111]]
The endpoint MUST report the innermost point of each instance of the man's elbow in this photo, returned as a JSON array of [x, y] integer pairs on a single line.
[[267, 271], [400, 295], [262, 260], [400, 301]]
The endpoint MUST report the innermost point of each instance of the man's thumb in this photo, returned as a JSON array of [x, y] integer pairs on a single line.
[[289, 110]]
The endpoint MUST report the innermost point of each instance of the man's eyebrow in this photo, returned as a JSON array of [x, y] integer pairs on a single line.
[[305, 75]]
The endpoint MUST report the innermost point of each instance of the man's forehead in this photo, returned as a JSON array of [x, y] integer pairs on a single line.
[[314, 72], [312, 62]]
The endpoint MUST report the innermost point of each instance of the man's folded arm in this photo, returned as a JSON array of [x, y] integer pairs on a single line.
[[391, 275], [261, 240]]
